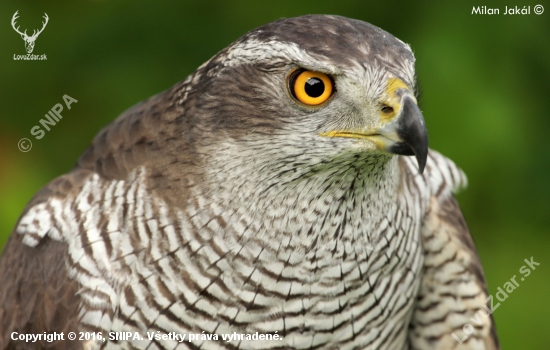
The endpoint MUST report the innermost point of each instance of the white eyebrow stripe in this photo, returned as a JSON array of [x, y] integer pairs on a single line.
[[253, 50]]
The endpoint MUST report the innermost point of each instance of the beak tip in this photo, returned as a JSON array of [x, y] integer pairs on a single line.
[[421, 160]]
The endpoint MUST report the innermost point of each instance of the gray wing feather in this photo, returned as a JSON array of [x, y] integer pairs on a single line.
[[452, 300], [36, 295]]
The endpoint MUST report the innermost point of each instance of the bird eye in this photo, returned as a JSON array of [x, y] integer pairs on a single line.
[[310, 88]]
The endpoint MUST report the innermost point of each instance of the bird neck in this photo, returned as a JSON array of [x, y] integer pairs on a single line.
[[305, 200]]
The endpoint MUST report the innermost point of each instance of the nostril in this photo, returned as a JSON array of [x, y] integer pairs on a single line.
[[386, 109]]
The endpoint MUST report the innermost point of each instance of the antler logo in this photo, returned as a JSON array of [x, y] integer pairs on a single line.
[[29, 40]]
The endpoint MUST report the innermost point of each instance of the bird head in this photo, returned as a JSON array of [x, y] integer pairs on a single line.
[[327, 85]]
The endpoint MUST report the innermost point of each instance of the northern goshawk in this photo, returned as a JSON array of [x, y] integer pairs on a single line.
[[269, 193]]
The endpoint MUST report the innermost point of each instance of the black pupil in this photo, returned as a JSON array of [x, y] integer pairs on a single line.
[[314, 87]]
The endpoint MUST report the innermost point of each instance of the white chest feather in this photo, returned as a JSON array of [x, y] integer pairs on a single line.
[[339, 268]]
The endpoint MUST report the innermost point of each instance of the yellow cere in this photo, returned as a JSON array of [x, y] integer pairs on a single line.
[[391, 100], [300, 88]]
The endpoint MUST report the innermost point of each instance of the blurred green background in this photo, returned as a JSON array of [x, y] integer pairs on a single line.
[[485, 84]]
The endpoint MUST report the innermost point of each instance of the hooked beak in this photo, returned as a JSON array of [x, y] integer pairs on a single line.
[[412, 136], [405, 135]]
